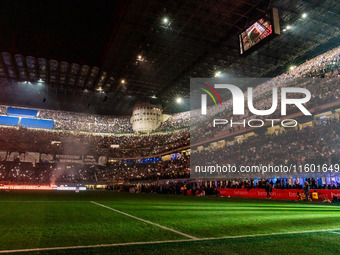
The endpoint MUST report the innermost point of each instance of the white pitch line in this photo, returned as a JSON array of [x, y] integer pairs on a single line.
[[92, 246], [146, 221], [338, 233], [270, 234], [160, 242]]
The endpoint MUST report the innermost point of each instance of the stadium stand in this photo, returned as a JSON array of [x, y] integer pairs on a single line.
[[325, 65], [87, 122], [298, 141], [174, 134], [3, 110]]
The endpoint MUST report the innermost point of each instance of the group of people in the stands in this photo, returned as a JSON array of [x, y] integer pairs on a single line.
[[47, 173], [314, 145], [87, 122], [310, 145], [59, 142]]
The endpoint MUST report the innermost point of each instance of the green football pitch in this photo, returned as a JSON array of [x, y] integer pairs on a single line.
[[100, 222]]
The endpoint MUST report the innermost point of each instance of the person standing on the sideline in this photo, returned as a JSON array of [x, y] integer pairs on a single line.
[[193, 190], [306, 189], [268, 189]]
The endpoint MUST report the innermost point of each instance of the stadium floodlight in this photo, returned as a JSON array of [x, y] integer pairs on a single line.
[[288, 27], [165, 20], [179, 100], [218, 74], [292, 67], [122, 81], [304, 15], [140, 58]]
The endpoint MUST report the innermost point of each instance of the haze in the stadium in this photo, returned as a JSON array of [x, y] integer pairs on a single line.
[[169, 127]]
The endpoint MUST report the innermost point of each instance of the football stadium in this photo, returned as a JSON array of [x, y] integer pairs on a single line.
[[170, 127]]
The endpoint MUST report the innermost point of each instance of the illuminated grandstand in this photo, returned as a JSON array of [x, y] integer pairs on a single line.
[[80, 134], [163, 127]]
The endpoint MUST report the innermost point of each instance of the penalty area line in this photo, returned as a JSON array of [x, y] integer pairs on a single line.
[[161, 242], [146, 221]]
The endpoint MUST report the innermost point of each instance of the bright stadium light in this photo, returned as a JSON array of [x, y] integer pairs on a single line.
[[122, 81], [165, 21], [179, 100], [288, 27], [304, 15], [140, 58], [292, 67], [218, 74]]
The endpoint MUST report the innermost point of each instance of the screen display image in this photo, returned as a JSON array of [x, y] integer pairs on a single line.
[[255, 33]]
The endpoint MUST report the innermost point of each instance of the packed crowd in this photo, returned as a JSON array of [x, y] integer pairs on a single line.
[[87, 122], [136, 171], [324, 65], [313, 145], [318, 66], [323, 91], [3, 109], [68, 142], [83, 122], [176, 121], [169, 177], [318, 145], [62, 173], [45, 174]]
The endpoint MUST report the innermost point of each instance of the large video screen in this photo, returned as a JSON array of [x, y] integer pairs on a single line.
[[255, 33], [260, 30]]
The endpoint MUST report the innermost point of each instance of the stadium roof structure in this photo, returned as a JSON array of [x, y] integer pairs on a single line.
[[149, 49]]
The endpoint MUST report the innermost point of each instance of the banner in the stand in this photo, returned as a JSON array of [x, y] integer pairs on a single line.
[[90, 160], [46, 158], [36, 157], [289, 194], [75, 159], [3, 155], [30, 157]]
